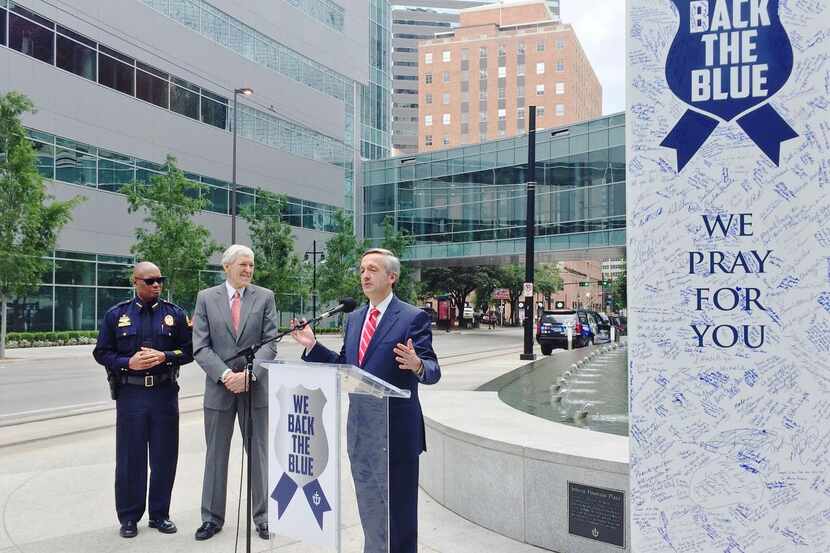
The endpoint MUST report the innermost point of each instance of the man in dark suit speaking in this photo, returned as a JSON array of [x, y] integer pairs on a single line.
[[392, 340]]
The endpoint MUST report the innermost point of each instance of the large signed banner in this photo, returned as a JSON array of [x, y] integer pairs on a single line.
[[728, 191]]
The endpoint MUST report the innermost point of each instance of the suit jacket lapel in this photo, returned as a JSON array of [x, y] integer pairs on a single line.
[[386, 323], [225, 307], [248, 300]]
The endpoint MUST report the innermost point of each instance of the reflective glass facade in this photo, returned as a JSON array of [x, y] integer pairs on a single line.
[[42, 39], [77, 289], [376, 97], [471, 201], [74, 162]]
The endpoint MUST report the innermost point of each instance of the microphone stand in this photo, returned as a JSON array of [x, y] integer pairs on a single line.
[[249, 354]]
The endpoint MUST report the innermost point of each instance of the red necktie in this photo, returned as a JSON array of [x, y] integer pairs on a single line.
[[235, 311], [368, 332]]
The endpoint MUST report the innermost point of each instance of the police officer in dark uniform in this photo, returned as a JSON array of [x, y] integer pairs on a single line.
[[142, 343]]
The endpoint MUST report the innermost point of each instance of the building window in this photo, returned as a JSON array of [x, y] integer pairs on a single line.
[[428, 57], [29, 37], [520, 113], [502, 72], [445, 76], [428, 98], [482, 137], [119, 73], [215, 111], [540, 111], [540, 90], [502, 91], [427, 120], [428, 78], [446, 119], [152, 85], [540, 46], [502, 113], [560, 44], [482, 52], [428, 140], [445, 140], [482, 116], [76, 56], [445, 98], [465, 54], [445, 56], [184, 99], [540, 68], [560, 110], [560, 66], [482, 93], [560, 88], [520, 71], [465, 128], [465, 108], [465, 86]]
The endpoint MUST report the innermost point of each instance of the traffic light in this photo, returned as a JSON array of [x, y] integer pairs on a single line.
[[584, 284]]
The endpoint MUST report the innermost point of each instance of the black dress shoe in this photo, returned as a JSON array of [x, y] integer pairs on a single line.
[[207, 530], [262, 531], [164, 525], [128, 529]]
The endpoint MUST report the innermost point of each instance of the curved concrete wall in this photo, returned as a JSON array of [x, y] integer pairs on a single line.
[[508, 471]]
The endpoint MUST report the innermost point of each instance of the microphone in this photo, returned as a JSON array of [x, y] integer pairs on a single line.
[[347, 305]]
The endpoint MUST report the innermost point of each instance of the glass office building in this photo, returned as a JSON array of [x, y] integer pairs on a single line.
[[469, 203]]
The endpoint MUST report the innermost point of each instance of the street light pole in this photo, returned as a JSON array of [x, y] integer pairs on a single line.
[[236, 93], [314, 253], [530, 224]]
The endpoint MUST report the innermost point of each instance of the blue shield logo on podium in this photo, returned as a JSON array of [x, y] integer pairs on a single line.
[[302, 449], [727, 60]]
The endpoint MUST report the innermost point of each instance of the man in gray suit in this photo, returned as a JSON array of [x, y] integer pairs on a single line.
[[230, 317]]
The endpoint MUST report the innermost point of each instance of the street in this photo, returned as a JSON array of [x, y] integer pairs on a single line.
[[42, 383]]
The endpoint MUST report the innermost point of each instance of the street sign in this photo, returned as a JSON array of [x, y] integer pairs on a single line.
[[528, 288], [500, 294]]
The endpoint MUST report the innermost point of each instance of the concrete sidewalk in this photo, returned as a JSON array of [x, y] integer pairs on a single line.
[[56, 493]]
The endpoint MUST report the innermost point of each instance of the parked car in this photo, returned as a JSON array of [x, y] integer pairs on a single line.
[[602, 331], [552, 329], [620, 323]]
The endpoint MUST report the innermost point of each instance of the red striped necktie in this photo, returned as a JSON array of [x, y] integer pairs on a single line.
[[368, 332]]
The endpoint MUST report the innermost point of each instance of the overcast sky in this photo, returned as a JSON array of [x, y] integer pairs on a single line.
[[600, 26]]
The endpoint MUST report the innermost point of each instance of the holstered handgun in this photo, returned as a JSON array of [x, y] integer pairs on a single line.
[[113, 382]]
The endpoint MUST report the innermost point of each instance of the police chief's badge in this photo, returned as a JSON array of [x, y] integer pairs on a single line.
[[726, 61], [302, 448], [169, 320], [123, 320]]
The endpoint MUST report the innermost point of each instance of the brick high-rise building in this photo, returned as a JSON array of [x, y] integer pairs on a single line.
[[476, 81]]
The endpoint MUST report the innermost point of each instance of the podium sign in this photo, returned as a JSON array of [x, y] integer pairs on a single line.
[[304, 461], [728, 133], [328, 456]]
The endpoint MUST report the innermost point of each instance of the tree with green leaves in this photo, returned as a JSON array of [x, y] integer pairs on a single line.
[[512, 278], [278, 267], [619, 290], [407, 288], [456, 282], [547, 281], [29, 220], [171, 238], [339, 277]]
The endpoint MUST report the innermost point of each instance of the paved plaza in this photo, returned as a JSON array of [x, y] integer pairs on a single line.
[[57, 456]]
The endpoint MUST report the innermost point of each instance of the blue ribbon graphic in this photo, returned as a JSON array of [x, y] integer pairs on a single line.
[[725, 91], [285, 490]]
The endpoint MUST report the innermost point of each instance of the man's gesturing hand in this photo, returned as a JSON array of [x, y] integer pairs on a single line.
[[304, 336], [407, 359]]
